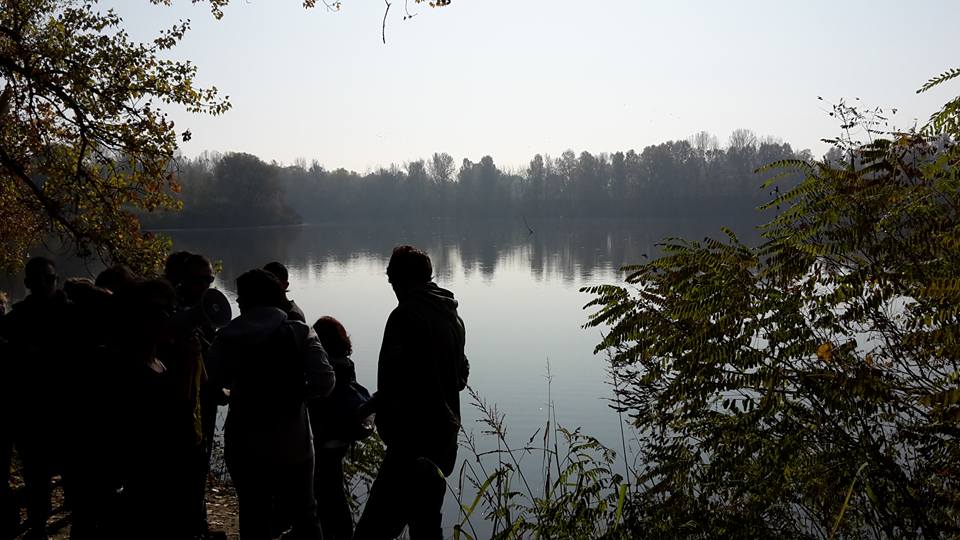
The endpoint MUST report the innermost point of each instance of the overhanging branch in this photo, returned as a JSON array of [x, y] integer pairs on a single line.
[[385, 13], [53, 210]]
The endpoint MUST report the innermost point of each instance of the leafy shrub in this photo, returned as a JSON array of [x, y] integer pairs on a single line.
[[807, 387]]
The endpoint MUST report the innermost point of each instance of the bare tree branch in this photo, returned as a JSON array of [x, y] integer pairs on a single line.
[[387, 11]]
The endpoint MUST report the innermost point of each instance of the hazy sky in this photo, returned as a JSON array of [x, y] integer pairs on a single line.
[[512, 78]]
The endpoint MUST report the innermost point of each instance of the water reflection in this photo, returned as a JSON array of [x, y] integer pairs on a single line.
[[571, 251]]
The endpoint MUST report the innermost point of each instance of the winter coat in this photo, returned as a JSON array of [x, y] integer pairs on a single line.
[[421, 371], [271, 366]]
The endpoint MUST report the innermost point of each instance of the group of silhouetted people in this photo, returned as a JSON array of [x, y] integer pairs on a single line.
[[113, 385]]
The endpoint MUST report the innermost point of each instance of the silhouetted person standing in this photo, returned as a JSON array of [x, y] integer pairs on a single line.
[[9, 514], [90, 397], [271, 366], [421, 371], [38, 329], [192, 275], [337, 421], [157, 432], [280, 271]]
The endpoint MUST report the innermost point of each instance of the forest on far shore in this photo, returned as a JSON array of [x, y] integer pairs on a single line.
[[686, 178]]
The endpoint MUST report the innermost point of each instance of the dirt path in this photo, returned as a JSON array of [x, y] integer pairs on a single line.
[[222, 512]]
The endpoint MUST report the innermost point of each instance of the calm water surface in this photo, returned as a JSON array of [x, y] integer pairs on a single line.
[[518, 292]]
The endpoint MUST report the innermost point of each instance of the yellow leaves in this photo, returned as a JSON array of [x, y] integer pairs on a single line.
[[942, 399], [825, 351], [868, 360], [943, 288]]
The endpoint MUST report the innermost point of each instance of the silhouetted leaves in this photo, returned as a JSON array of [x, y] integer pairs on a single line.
[[83, 142], [808, 386]]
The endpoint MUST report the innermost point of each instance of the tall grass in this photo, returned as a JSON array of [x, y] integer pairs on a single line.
[[578, 495]]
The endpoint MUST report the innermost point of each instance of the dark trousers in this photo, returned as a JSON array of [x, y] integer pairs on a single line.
[[328, 485], [9, 514], [208, 425], [38, 470], [156, 497], [91, 482], [407, 492], [259, 485]]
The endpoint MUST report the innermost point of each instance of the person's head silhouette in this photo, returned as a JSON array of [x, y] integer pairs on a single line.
[[197, 276], [409, 268], [259, 288], [40, 276], [278, 269]]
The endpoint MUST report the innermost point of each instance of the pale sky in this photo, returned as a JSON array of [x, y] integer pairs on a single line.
[[512, 78]]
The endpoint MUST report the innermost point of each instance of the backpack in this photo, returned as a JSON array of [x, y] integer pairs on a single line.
[[344, 415], [359, 424]]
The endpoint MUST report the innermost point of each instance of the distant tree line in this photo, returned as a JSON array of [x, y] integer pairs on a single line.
[[230, 190], [690, 177]]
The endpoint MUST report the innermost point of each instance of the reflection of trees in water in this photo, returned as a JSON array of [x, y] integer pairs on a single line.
[[569, 250], [239, 250]]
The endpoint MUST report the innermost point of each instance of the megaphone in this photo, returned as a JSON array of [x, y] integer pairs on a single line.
[[213, 310]]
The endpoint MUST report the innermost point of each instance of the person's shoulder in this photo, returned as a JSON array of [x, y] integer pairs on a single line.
[[344, 364], [404, 313], [294, 311], [399, 311], [17, 312], [296, 324], [21, 307], [301, 331]]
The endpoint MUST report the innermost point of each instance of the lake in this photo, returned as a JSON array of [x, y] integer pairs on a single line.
[[518, 292]]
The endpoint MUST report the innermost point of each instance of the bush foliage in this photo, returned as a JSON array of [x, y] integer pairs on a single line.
[[807, 387]]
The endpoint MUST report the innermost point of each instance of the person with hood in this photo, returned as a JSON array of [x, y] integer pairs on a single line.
[[271, 367], [420, 374]]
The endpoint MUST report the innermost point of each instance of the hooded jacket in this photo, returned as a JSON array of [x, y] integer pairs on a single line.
[[272, 366], [421, 371]]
